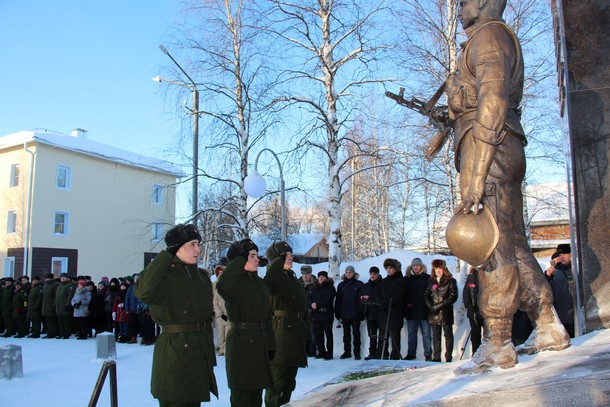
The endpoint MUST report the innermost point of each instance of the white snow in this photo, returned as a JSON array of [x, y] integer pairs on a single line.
[[64, 372], [91, 148]]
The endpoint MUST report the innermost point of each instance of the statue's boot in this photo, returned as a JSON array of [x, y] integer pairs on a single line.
[[548, 334], [496, 350]]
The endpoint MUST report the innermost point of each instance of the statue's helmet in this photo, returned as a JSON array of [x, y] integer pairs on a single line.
[[471, 237]]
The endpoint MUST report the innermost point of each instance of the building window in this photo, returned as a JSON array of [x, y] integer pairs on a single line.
[[157, 194], [9, 267], [11, 222], [14, 175], [59, 265], [64, 177], [157, 232], [61, 223]]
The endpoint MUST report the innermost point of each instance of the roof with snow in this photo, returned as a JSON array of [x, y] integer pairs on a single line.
[[91, 148], [547, 202], [300, 243]]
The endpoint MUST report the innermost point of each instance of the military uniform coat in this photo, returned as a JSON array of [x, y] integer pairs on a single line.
[[49, 291], [291, 330], [177, 294], [35, 302], [63, 296], [247, 299]]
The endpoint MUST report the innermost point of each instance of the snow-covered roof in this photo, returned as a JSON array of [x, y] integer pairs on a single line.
[[300, 243], [91, 148], [547, 202]]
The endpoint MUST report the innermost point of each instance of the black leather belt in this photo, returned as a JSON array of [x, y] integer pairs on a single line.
[[181, 328], [247, 325], [289, 314]]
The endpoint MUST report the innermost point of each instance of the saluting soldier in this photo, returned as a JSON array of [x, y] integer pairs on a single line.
[[250, 342], [290, 324], [179, 296]]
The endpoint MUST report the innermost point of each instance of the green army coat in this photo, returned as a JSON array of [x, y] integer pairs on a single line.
[[63, 296], [177, 294], [35, 301], [20, 309], [247, 350], [49, 291], [291, 316], [7, 301]]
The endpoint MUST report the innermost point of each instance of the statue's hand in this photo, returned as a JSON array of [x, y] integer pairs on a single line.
[[473, 197]]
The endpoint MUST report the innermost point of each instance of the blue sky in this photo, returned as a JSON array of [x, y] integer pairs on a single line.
[[70, 64]]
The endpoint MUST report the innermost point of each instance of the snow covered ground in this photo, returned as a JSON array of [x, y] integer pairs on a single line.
[[64, 372]]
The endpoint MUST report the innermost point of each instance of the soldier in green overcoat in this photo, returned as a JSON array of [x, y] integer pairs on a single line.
[[7, 306], [179, 296], [49, 292], [63, 308], [250, 342], [20, 310], [35, 307], [290, 324]]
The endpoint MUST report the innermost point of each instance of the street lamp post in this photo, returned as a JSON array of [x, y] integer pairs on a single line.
[[195, 112], [255, 186]]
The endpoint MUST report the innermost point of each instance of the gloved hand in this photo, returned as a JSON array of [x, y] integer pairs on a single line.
[[279, 249], [114, 316], [77, 305], [224, 317], [173, 249], [271, 354], [262, 262]]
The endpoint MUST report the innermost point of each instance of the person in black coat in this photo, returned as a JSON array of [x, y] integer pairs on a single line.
[[416, 312], [347, 310], [369, 301], [391, 314], [440, 295], [559, 276], [470, 297], [321, 300]]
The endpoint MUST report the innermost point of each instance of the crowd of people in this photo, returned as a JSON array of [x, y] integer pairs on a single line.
[[58, 308], [265, 327]]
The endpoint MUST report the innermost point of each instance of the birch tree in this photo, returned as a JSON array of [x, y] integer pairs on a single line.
[[224, 44], [333, 47]]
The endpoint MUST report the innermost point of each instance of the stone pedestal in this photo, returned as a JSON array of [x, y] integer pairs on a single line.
[[106, 345], [584, 73], [11, 362]]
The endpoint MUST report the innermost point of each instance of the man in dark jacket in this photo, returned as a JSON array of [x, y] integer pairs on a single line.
[[7, 307], [416, 312], [471, 303], [290, 324], [20, 310], [369, 301], [179, 296], [321, 300], [347, 310], [391, 315], [308, 280], [559, 275], [49, 292], [63, 308], [250, 342], [35, 307]]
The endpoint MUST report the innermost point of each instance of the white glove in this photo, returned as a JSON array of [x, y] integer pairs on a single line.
[[114, 316]]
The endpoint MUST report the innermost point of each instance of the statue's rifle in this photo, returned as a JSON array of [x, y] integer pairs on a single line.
[[437, 115]]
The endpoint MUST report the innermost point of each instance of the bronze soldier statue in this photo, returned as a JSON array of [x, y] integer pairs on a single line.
[[484, 94]]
